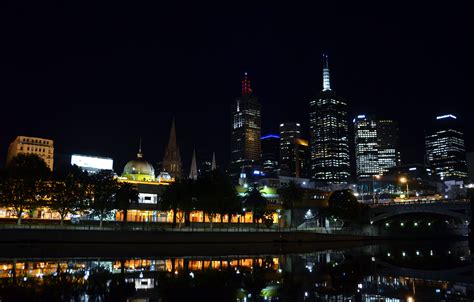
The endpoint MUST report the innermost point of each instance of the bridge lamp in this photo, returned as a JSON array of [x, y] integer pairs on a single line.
[[429, 223], [388, 254], [402, 224], [404, 254], [387, 224], [415, 224], [418, 253], [404, 180]]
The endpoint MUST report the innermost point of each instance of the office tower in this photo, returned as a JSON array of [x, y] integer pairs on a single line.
[[366, 147], [246, 130], [172, 159], [293, 151], [289, 132], [329, 135], [445, 151], [301, 158], [270, 153], [44, 148], [470, 165], [388, 140]]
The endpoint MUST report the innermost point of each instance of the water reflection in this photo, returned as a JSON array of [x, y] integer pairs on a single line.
[[371, 273]]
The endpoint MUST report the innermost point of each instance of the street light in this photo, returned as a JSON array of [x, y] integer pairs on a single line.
[[404, 180], [374, 177]]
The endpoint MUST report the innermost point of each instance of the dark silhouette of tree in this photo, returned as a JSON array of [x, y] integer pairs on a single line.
[[291, 195], [216, 195], [23, 184], [170, 199], [68, 192], [103, 188], [256, 201], [344, 205], [126, 195]]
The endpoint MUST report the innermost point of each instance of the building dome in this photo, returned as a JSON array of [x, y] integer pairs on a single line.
[[139, 169]]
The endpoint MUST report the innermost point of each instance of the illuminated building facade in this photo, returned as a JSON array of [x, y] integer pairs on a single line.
[[329, 143], [388, 140], [92, 164], [42, 147], [445, 151], [172, 160], [246, 130], [366, 147], [270, 153]]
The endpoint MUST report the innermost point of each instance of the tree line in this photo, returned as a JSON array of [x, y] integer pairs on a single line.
[[27, 184]]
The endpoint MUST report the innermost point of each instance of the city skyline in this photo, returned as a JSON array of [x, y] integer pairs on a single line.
[[93, 90]]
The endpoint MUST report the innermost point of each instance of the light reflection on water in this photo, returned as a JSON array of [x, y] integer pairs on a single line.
[[371, 273]]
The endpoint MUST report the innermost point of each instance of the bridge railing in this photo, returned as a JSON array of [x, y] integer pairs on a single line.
[[417, 202]]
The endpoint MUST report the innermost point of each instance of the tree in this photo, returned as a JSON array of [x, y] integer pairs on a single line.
[[344, 205], [69, 192], [23, 183], [103, 188], [125, 196], [217, 195], [291, 195], [170, 200], [255, 201]]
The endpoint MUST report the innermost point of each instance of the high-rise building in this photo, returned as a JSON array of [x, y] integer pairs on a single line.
[[289, 133], [388, 140], [172, 159], [301, 159], [470, 165], [329, 143], [270, 153], [42, 147], [445, 151], [376, 145], [293, 151], [246, 130], [366, 147]]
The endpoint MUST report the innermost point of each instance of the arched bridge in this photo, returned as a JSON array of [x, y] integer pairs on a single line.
[[455, 209]]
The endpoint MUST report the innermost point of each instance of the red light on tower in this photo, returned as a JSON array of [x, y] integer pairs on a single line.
[[246, 90]]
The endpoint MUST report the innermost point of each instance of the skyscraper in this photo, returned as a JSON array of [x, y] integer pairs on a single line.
[[246, 130], [445, 151], [366, 147], [329, 141], [172, 159], [388, 140], [290, 133], [270, 153]]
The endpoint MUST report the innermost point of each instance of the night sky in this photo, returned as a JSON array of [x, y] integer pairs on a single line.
[[97, 78]]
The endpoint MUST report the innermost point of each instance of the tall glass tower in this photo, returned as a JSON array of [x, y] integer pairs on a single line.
[[366, 147], [445, 151], [246, 130], [329, 140]]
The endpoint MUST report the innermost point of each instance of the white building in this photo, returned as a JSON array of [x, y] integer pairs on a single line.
[[42, 147]]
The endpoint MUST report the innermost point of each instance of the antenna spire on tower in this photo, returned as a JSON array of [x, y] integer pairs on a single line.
[[139, 154], [326, 79]]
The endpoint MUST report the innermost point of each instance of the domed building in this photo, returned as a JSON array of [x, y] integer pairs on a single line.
[[139, 169]]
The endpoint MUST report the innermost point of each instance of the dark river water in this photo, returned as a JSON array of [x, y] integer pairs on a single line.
[[389, 271]]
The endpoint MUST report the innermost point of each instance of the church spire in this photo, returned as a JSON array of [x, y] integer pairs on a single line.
[[213, 165], [246, 89], [172, 159], [172, 141], [193, 173], [326, 82]]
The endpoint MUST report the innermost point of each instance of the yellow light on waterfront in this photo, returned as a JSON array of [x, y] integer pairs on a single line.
[[403, 180]]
